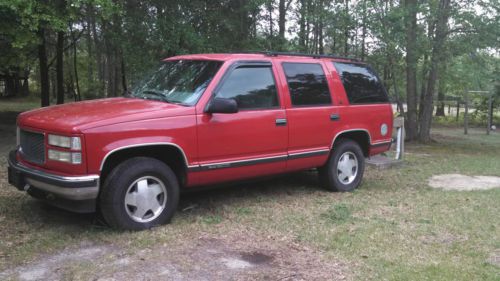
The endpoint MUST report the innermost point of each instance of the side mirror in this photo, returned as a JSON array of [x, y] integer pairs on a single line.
[[222, 105]]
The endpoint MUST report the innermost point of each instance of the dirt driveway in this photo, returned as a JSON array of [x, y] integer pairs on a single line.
[[238, 255]]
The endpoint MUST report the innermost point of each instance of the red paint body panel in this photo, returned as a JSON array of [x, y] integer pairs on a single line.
[[178, 130], [210, 140]]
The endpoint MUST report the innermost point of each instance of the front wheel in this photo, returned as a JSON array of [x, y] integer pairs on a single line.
[[138, 194], [345, 167]]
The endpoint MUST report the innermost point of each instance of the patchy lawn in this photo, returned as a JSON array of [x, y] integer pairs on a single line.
[[19, 104], [394, 227]]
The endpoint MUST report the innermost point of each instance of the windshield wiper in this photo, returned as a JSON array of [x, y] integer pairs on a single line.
[[161, 96], [155, 93]]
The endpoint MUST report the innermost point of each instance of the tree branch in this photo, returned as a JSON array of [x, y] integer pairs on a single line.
[[461, 30]]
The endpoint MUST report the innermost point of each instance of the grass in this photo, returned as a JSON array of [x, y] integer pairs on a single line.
[[19, 104], [337, 214], [394, 227]]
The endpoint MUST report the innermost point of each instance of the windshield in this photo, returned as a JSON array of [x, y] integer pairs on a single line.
[[180, 81]]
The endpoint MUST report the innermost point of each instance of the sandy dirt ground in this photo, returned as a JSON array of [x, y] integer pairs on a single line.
[[227, 257], [464, 183]]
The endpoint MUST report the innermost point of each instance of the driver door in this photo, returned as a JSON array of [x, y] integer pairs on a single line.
[[251, 142]]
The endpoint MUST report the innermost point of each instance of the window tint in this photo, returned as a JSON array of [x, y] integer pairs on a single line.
[[307, 84], [361, 83], [251, 87]]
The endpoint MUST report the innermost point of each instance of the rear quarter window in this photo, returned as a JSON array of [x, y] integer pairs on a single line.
[[361, 83]]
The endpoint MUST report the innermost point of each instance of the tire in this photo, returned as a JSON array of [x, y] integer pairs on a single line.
[[333, 177], [127, 199]]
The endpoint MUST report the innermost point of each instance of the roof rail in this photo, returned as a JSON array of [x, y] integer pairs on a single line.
[[295, 54]]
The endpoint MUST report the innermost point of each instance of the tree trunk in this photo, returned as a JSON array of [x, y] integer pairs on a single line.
[[270, 9], [411, 69], [17, 83], [98, 50], [302, 25], [346, 28], [400, 106], [281, 18], [26, 89], [90, 65], [78, 95], [425, 69], [321, 37], [363, 32], [9, 86], [423, 82], [123, 76], [334, 43], [441, 95], [44, 70], [60, 67], [436, 60]]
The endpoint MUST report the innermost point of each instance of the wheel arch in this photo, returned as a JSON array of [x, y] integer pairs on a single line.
[[169, 153], [360, 136]]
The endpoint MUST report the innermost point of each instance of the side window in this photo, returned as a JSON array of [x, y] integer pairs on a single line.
[[361, 83], [307, 84], [252, 87]]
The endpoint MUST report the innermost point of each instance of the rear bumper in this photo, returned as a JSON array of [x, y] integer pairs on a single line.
[[77, 194]]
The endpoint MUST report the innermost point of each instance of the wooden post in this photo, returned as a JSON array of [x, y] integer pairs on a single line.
[[466, 115]]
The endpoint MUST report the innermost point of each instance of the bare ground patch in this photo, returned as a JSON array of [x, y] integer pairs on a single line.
[[464, 183], [239, 255]]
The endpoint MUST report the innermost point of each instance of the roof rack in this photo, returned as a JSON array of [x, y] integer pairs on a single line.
[[295, 54]]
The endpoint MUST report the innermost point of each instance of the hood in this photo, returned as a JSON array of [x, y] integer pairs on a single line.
[[78, 116]]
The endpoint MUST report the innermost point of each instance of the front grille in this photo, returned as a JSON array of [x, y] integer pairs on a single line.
[[32, 146]]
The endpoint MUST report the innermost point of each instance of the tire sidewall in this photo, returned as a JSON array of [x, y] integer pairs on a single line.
[[343, 147], [117, 184]]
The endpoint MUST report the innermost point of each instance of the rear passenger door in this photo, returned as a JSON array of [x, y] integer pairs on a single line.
[[310, 114]]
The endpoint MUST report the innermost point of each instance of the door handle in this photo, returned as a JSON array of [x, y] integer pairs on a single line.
[[334, 117], [280, 122]]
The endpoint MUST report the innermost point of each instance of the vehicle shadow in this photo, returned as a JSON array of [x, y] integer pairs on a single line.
[[208, 199], [270, 188]]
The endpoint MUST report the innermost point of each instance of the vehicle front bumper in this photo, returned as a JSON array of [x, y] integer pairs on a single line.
[[75, 193]]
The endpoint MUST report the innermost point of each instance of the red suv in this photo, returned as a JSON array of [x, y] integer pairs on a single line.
[[200, 120]]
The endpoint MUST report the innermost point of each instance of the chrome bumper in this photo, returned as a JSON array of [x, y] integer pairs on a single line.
[[78, 188]]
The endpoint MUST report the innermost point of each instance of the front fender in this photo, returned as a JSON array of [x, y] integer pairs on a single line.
[[179, 132]]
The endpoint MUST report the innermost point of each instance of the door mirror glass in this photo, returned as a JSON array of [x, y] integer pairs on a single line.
[[222, 105]]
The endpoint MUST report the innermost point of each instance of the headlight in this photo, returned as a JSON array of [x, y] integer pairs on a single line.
[[65, 156], [67, 142]]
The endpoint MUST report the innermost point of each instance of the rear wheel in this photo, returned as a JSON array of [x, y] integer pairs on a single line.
[[138, 194], [345, 167]]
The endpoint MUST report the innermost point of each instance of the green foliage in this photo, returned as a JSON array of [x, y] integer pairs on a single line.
[[141, 33], [212, 219]]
